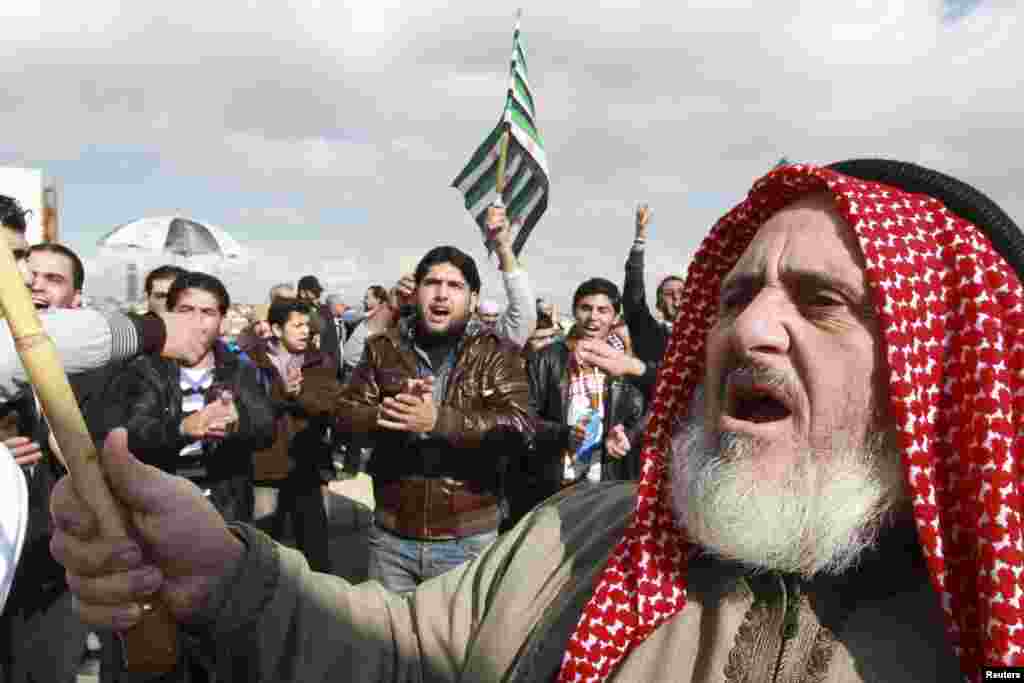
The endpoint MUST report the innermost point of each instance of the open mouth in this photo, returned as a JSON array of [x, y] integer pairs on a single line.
[[438, 313], [40, 303], [756, 403]]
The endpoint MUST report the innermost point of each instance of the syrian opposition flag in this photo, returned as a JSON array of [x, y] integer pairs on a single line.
[[524, 176]]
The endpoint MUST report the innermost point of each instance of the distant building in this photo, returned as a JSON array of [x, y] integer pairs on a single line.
[[37, 193]]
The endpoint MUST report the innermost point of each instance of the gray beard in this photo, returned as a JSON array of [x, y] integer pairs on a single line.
[[818, 518]]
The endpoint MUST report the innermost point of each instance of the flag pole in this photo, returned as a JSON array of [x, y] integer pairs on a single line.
[[151, 646], [499, 183]]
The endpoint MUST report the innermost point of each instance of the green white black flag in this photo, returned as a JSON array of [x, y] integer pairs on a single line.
[[525, 194]]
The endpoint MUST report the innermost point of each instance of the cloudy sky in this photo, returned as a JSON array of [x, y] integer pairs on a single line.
[[324, 135]]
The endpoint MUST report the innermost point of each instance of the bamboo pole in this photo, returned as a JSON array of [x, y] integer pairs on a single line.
[[499, 187], [499, 183], [151, 646]]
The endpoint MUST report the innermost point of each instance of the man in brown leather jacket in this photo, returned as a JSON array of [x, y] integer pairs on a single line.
[[444, 401]]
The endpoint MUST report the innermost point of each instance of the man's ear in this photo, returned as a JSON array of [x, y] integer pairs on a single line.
[[277, 330], [76, 301], [474, 300]]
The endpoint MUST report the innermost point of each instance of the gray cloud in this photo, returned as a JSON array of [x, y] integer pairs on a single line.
[[376, 106]]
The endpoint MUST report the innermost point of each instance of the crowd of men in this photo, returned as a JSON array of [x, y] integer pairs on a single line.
[[824, 420], [464, 414]]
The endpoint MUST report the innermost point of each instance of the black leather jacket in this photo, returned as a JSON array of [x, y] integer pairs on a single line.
[[549, 391], [145, 398]]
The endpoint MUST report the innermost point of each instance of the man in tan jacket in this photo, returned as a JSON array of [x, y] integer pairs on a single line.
[[839, 501]]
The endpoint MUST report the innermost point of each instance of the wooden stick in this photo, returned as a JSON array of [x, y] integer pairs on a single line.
[[499, 183], [151, 647]]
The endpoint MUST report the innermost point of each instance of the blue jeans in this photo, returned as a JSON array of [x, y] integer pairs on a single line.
[[400, 564]]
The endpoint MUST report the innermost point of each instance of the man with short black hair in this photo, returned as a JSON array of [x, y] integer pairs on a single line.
[[444, 402], [57, 276], [587, 417], [519, 319], [291, 468], [158, 283], [321, 320], [12, 222], [650, 335], [375, 301], [201, 420]]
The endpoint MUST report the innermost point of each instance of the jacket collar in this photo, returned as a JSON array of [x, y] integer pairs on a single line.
[[404, 334]]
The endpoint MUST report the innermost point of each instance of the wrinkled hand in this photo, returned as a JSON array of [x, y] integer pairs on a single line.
[[180, 551], [214, 421], [184, 340], [541, 338], [293, 382], [602, 355], [616, 444], [413, 410], [25, 450], [643, 217]]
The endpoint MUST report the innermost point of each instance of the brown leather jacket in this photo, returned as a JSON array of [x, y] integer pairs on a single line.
[[482, 419], [297, 437]]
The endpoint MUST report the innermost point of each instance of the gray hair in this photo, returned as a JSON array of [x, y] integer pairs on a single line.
[[277, 291], [335, 299]]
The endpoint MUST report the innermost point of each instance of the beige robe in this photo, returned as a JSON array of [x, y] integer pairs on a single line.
[[507, 615]]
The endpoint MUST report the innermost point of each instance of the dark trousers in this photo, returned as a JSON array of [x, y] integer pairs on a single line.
[[301, 499]]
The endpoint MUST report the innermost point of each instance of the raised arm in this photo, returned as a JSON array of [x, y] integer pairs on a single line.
[[87, 340], [638, 316], [519, 320]]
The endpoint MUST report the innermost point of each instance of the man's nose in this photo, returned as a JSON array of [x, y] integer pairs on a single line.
[[761, 327]]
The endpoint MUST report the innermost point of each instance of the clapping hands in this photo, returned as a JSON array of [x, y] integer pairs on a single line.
[[412, 410], [215, 421]]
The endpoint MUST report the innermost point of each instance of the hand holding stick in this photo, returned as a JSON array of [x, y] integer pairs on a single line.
[[151, 646]]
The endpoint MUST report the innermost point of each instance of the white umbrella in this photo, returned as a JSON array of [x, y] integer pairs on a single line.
[[173, 235]]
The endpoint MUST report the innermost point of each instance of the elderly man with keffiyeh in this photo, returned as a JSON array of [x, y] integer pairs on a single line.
[[831, 485]]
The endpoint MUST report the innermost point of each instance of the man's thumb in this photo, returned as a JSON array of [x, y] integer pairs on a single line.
[[136, 485]]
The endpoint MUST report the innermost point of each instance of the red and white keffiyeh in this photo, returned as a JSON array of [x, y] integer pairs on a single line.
[[952, 318]]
